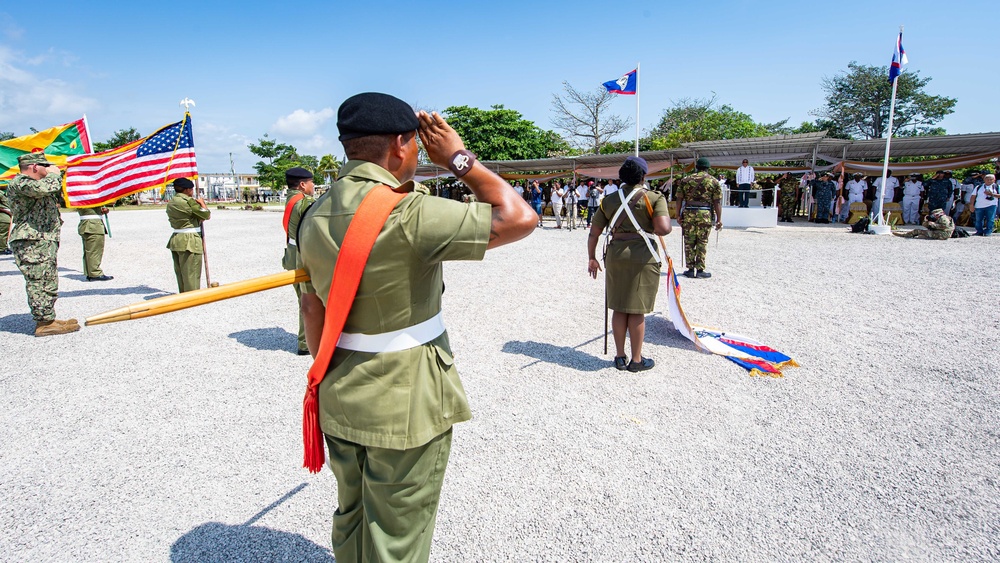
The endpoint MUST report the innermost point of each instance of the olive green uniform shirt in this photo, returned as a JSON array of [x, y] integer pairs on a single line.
[[290, 259], [35, 207], [184, 212], [395, 400], [90, 226]]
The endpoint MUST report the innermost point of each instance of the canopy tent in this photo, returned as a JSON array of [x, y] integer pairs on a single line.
[[961, 150]]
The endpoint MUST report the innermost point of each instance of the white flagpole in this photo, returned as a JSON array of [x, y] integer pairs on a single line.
[[888, 137], [636, 109]]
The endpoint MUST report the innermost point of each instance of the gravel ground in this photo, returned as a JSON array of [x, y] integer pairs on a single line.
[[178, 437]]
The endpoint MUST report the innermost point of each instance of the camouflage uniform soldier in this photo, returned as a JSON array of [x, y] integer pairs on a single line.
[[91, 230], [789, 198], [939, 227], [4, 220], [698, 194], [34, 196], [186, 214], [300, 191]]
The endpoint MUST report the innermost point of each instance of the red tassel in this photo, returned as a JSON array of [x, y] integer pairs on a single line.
[[312, 434]]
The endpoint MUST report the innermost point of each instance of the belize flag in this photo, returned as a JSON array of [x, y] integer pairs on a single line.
[[898, 59], [627, 84]]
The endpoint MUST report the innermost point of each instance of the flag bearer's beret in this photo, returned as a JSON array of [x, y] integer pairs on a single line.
[[373, 113], [181, 184]]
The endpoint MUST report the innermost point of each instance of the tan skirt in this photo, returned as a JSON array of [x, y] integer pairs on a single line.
[[632, 276]]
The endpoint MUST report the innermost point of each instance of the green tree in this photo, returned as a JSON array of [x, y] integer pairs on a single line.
[[586, 117], [6, 135], [277, 157], [327, 169], [703, 119], [502, 134], [117, 139], [857, 102]]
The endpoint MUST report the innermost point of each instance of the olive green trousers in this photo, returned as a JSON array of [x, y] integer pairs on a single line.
[[388, 499]]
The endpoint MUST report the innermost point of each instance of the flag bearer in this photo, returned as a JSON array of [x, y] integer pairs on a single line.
[[186, 215], [699, 195]]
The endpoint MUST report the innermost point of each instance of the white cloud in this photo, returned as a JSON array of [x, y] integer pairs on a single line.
[[9, 28], [301, 123], [27, 96]]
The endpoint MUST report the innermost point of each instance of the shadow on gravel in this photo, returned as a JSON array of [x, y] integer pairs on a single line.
[[567, 356], [217, 542], [105, 290], [12, 273], [18, 324], [660, 331], [276, 339]]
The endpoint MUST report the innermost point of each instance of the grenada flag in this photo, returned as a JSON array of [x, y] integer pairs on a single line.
[[58, 143]]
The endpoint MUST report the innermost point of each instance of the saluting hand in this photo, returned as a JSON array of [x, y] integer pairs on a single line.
[[439, 139]]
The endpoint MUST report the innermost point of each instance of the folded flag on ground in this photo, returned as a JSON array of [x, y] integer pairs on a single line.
[[755, 357]]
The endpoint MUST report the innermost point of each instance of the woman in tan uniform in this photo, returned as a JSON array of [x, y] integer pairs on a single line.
[[632, 258]]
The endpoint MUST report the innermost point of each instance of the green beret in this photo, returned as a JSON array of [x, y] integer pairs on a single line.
[[297, 173], [372, 113], [703, 163], [32, 158]]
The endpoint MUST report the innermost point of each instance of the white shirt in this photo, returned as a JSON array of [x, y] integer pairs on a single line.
[[744, 175], [555, 197], [610, 190], [981, 201], [912, 189], [856, 189], [891, 184]]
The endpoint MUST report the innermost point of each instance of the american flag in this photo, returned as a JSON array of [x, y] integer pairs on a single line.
[[164, 156]]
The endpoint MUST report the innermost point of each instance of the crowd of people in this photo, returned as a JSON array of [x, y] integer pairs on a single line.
[[823, 197]]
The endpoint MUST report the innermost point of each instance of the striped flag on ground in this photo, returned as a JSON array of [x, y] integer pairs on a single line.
[[98, 179]]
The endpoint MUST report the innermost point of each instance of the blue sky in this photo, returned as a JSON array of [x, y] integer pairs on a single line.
[[284, 68]]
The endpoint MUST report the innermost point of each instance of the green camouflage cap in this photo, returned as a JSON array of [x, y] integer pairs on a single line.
[[32, 158]]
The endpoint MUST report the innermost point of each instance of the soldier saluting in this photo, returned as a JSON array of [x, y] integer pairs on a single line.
[[390, 395], [35, 194]]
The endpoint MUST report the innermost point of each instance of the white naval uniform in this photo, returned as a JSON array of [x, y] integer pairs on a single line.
[[911, 201]]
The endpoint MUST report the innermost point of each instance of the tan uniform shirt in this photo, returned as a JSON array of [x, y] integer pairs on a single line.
[[401, 399]]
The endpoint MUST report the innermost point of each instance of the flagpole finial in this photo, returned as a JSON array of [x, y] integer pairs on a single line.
[[186, 103]]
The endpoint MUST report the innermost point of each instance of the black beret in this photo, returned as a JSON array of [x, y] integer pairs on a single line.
[[297, 173], [373, 113], [181, 184]]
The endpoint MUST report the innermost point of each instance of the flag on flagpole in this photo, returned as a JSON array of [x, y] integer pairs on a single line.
[[56, 142], [898, 59], [628, 84], [152, 162]]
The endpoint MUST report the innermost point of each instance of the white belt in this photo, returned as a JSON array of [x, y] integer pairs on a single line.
[[291, 241], [189, 230], [91, 218], [403, 339]]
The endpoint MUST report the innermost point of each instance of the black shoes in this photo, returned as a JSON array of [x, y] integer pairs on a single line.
[[100, 278], [303, 352], [6, 251], [646, 363], [620, 363], [691, 273]]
